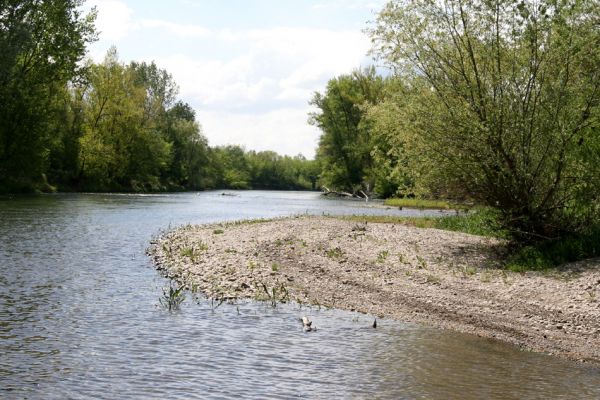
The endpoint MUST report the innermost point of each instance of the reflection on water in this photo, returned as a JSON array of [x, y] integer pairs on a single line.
[[79, 318]]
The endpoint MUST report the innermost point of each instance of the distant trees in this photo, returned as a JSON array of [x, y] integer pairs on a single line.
[[110, 125], [237, 169], [42, 44]]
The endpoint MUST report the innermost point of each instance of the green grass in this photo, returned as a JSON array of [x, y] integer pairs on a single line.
[[482, 222], [423, 203], [485, 222], [382, 256], [551, 254], [335, 253], [247, 222]]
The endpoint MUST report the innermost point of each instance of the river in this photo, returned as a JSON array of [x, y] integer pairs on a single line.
[[80, 318]]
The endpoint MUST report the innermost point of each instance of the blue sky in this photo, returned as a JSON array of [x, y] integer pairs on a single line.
[[249, 68]]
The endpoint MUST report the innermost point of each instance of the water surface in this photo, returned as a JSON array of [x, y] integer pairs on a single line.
[[79, 318]]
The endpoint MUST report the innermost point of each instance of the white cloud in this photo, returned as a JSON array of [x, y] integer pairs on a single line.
[[115, 19], [251, 86], [284, 130], [186, 30], [276, 64], [352, 4]]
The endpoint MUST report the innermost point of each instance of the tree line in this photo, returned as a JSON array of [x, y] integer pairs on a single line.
[[74, 125], [493, 101]]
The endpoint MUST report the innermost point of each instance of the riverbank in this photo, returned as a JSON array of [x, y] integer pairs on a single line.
[[444, 279]]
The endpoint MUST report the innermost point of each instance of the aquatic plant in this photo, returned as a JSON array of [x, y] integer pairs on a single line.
[[277, 294], [172, 297]]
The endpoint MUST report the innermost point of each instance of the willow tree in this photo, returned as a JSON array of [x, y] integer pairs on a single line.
[[505, 100]]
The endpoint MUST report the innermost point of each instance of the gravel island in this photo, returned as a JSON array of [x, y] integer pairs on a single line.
[[444, 279]]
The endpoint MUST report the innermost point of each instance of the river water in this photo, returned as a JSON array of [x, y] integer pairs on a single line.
[[80, 318]]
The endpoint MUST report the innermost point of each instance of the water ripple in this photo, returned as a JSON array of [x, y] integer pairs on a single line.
[[79, 318]]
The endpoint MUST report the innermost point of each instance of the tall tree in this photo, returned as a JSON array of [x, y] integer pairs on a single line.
[[42, 44], [345, 144], [122, 145], [190, 157]]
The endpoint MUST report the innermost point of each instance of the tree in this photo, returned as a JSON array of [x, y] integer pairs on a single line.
[[505, 100], [394, 170], [122, 145], [190, 162], [231, 166], [345, 144], [42, 44]]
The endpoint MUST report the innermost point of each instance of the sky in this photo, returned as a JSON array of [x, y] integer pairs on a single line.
[[248, 67]]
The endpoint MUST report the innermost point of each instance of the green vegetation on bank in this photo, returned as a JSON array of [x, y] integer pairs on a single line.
[[550, 254], [491, 102], [486, 222], [495, 103], [480, 221], [424, 203], [73, 125]]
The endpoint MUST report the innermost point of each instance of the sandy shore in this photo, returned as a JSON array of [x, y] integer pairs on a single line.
[[444, 279]]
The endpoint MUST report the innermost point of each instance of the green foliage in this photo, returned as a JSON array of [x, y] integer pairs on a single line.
[[382, 256], [422, 203], [108, 126], [278, 294], [234, 168], [335, 252], [172, 297], [344, 151], [42, 44], [131, 135], [554, 253], [500, 103], [481, 222]]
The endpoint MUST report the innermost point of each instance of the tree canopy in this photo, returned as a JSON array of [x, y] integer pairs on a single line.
[[42, 44], [344, 150], [504, 101]]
